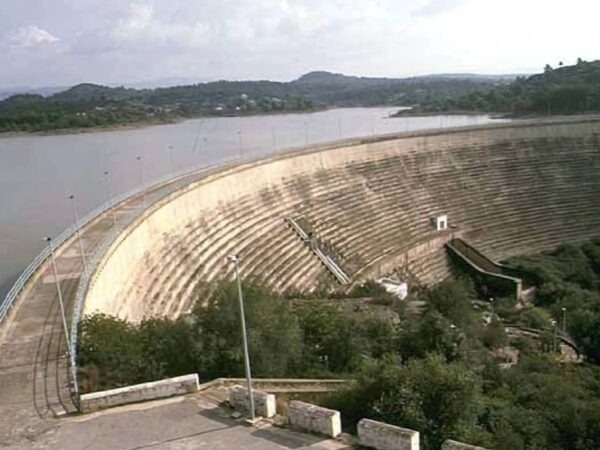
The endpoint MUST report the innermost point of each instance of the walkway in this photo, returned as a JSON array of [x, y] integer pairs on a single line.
[[33, 360]]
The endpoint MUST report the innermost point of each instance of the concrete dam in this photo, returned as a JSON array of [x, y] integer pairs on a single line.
[[510, 189], [321, 217]]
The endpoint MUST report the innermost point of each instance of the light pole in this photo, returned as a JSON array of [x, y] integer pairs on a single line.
[[274, 139], [306, 132], [76, 219], [564, 320], [141, 164], [60, 297], [234, 260], [372, 125], [107, 181], [553, 322], [241, 147], [172, 156]]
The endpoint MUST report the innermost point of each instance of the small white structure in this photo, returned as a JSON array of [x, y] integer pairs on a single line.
[[264, 404], [397, 288], [314, 418], [382, 436], [441, 222]]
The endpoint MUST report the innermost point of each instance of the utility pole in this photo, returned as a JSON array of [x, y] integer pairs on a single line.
[[108, 196], [78, 232], [60, 297], [274, 139], [305, 132], [172, 156], [240, 146], [234, 260], [141, 164]]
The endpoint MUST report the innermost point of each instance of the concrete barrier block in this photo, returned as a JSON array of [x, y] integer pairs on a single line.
[[455, 445], [314, 418], [139, 393], [382, 436], [264, 403]]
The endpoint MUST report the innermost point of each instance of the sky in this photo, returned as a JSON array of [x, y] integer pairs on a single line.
[[65, 42]]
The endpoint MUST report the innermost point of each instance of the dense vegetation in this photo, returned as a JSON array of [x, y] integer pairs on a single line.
[[436, 371], [89, 105], [564, 90], [569, 278]]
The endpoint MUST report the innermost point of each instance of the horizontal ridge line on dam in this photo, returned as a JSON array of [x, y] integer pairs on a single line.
[[31, 339]]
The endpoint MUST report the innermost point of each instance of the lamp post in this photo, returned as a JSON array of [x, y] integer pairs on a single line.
[[141, 164], [107, 181], [274, 139], [564, 320], [60, 297], [306, 132], [553, 322], [76, 219], [240, 146], [234, 260], [172, 157]]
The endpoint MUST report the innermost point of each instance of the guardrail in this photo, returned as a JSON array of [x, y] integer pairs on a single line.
[[24, 277]]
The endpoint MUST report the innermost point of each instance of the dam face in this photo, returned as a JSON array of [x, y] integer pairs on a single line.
[[510, 189]]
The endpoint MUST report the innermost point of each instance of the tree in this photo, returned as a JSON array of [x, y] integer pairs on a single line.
[[274, 335]]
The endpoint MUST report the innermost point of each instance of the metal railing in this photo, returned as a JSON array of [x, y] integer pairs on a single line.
[[34, 265], [82, 288]]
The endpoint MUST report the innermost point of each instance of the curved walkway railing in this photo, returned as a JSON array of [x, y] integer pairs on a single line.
[[24, 277]]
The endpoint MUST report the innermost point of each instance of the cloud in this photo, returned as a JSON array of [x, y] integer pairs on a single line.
[[138, 19], [436, 7], [31, 36]]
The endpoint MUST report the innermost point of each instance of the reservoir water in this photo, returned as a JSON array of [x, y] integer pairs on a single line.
[[37, 173]]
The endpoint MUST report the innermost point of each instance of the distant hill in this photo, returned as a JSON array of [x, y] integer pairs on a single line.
[[562, 90], [567, 89]]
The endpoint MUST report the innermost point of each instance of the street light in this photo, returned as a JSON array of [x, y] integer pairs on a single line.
[[141, 164], [234, 260], [241, 147], [108, 196], [60, 297], [564, 320], [274, 139], [76, 219], [172, 156], [553, 322], [306, 132]]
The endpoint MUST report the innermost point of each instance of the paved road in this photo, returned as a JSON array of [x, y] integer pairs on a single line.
[[191, 422], [33, 361]]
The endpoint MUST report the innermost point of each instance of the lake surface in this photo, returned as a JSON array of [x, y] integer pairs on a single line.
[[37, 173]]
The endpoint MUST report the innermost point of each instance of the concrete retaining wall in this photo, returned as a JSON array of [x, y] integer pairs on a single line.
[[139, 393], [382, 436], [264, 404], [455, 445], [314, 418]]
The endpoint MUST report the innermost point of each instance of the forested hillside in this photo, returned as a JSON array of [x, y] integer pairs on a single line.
[[563, 90], [90, 105]]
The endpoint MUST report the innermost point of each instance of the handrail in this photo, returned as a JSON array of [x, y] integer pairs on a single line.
[[82, 289], [24, 277]]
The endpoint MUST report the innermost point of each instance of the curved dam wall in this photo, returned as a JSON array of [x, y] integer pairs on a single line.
[[509, 189]]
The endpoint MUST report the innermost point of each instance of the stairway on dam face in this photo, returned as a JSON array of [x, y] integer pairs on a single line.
[[524, 191]]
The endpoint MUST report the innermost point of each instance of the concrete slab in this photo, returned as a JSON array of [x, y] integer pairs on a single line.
[[190, 422]]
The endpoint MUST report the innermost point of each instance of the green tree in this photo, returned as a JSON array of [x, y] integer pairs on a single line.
[[274, 335]]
